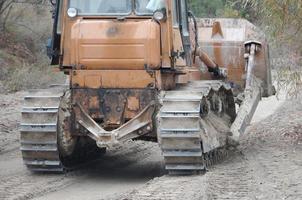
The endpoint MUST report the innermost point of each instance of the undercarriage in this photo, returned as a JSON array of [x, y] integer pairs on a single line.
[[191, 124]]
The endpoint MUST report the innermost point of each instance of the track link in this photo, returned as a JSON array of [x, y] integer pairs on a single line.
[[181, 128], [39, 130]]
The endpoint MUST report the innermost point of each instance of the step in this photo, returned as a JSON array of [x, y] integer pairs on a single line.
[[45, 169], [37, 110], [180, 107], [170, 153], [181, 144], [180, 135], [191, 167], [40, 155], [51, 127], [180, 123], [25, 142], [42, 162], [185, 95], [41, 101], [39, 117], [40, 148], [42, 97], [42, 138]]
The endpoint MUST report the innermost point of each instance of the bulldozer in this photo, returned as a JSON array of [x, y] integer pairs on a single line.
[[144, 70]]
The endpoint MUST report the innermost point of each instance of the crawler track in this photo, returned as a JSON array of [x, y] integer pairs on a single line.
[[39, 130], [194, 123]]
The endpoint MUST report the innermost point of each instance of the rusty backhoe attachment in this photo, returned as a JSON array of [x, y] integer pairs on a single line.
[[213, 67], [231, 44], [252, 93], [138, 126]]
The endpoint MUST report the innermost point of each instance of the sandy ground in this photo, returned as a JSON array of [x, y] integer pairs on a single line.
[[267, 165]]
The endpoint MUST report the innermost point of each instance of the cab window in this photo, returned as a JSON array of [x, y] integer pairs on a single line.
[[141, 7], [102, 7]]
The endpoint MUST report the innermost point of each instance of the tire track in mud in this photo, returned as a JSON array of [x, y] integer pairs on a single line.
[[255, 172], [267, 165], [130, 161], [9, 117], [229, 180], [277, 169], [16, 182], [23, 186], [211, 185], [168, 188]]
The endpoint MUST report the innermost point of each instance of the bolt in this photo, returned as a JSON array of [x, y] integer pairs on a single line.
[[151, 85], [148, 128], [140, 132], [118, 109], [107, 109]]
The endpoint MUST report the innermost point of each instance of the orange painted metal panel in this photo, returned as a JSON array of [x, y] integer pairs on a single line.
[[115, 45], [112, 79]]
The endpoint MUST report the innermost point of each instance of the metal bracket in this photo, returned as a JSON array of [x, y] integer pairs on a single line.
[[252, 94], [138, 126]]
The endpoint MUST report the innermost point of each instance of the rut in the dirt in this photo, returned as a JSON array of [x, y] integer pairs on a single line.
[[267, 165]]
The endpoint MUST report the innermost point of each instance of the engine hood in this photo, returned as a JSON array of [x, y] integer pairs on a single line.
[[113, 44]]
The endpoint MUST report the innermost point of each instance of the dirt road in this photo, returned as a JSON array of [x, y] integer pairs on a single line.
[[267, 165]]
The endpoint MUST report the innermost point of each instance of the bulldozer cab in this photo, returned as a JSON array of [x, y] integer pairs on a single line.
[[168, 21]]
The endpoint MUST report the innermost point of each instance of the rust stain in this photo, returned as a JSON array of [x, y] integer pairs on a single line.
[[94, 102], [217, 53], [112, 31], [133, 103], [216, 30]]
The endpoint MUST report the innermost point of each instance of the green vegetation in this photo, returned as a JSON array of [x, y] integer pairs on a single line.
[[223, 8]]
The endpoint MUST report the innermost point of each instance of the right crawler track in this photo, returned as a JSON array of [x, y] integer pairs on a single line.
[[186, 117]]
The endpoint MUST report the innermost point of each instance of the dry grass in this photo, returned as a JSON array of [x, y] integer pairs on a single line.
[[290, 81], [23, 61], [16, 74]]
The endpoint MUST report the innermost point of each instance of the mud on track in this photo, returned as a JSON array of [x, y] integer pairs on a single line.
[[267, 165]]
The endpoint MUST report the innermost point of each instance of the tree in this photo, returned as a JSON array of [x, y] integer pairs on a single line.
[[206, 8], [223, 8], [285, 21]]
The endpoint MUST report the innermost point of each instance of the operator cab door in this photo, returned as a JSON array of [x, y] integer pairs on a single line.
[[182, 42], [53, 44]]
